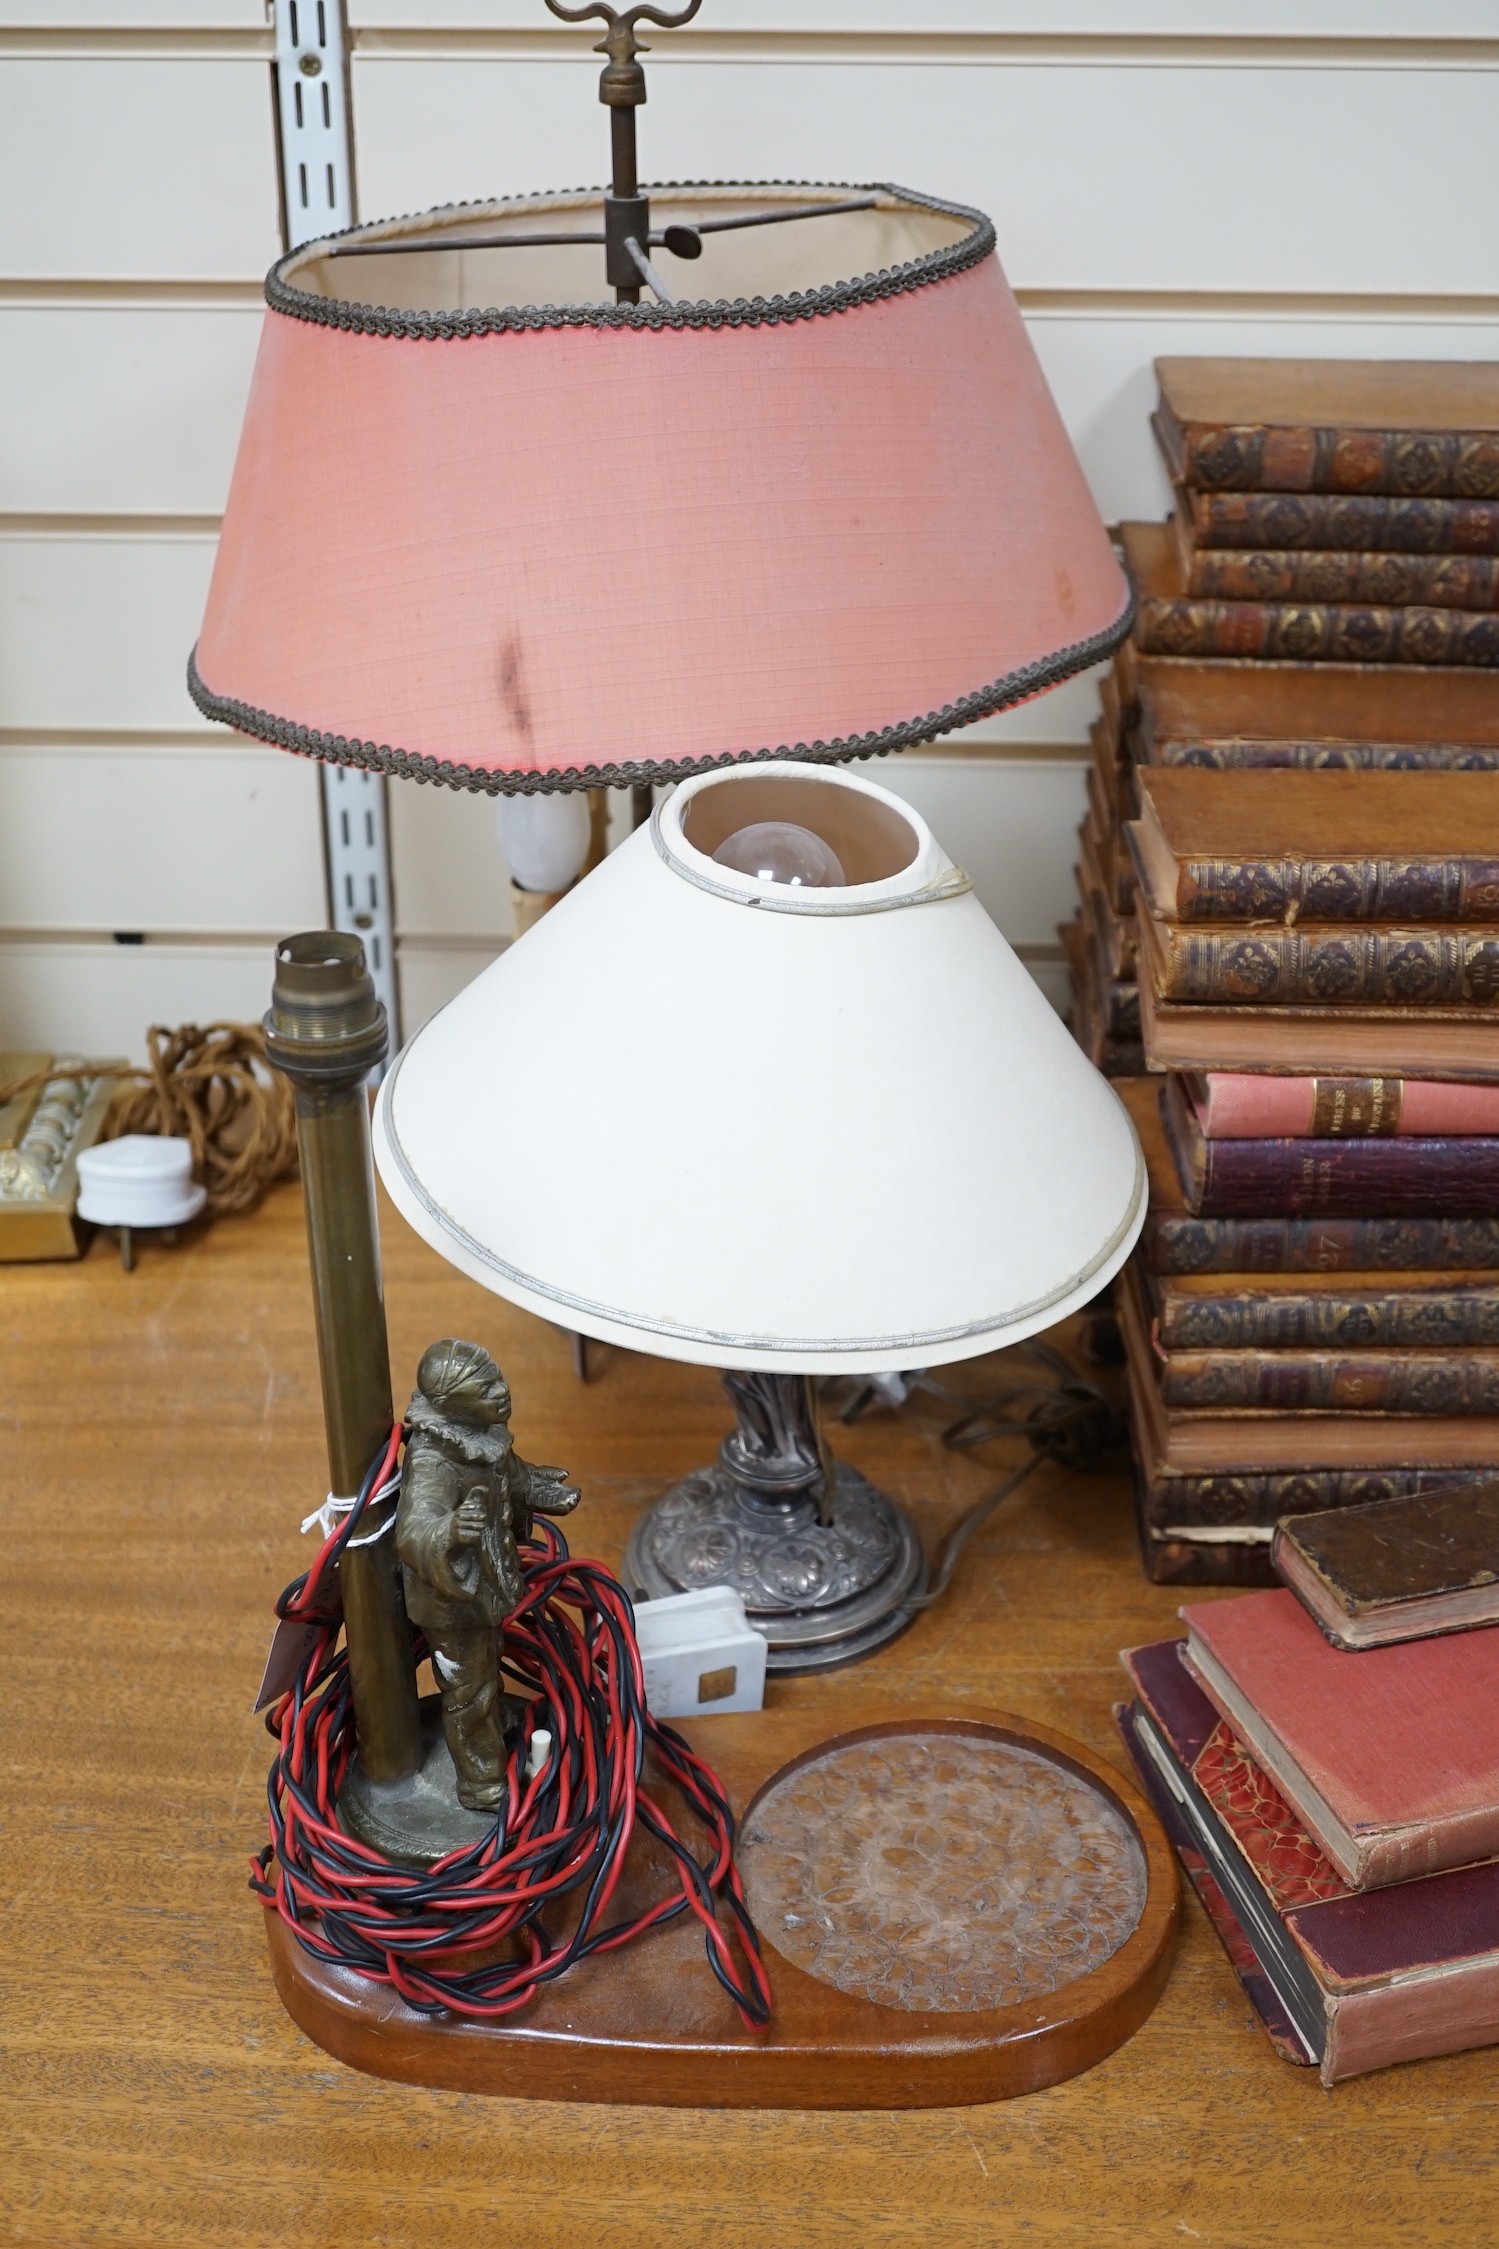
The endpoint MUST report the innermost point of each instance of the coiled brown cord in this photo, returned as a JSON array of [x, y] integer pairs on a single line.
[[213, 1088]]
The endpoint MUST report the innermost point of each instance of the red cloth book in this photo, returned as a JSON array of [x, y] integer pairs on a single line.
[[1351, 1980], [1390, 1757], [1235, 1105]]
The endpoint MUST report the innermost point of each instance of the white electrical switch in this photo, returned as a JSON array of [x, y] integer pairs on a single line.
[[700, 1654]]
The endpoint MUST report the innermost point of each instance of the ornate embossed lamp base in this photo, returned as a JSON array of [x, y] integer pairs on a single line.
[[826, 1565]]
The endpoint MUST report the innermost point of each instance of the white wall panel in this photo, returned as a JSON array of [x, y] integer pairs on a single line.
[[138, 166], [1011, 825], [61, 17], [99, 999], [188, 840], [95, 630], [430, 974], [931, 19], [449, 872], [1095, 175], [126, 408]]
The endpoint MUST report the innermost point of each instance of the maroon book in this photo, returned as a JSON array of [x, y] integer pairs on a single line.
[[1384, 1178], [1363, 1979]]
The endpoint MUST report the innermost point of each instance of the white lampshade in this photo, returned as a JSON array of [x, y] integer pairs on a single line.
[[729, 1121]]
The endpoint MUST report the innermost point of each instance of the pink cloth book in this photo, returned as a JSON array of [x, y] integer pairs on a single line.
[[1233, 1105], [1390, 1756]]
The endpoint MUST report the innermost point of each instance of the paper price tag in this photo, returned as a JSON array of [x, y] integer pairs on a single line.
[[292, 1643]]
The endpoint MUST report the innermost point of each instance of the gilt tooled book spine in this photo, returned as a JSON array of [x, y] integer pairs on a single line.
[[1321, 967], [1417, 1382], [1442, 581], [1175, 1242], [1317, 633], [1355, 890], [1383, 1178], [1361, 523], [1250, 457], [1247, 1502], [1327, 757], [1331, 1318]]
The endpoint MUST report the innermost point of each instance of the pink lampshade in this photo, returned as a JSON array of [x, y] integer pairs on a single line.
[[562, 542]]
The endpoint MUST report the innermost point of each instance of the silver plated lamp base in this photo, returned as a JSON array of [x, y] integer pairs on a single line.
[[827, 1565]]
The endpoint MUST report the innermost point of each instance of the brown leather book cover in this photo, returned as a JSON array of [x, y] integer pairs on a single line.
[[1182, 701], [1360, 523], [1329, 1312], [1319, 847], [1382, 1975], [1095, 1008], [1323, 965], [1115, 937], [1396, 1569], [1419, 427], [1443, 1381], [1215, 1441], [1171, 623], [1206, 1509], [1360, 581], [1355, 1042], [1388, 1756], [1174, 1241]]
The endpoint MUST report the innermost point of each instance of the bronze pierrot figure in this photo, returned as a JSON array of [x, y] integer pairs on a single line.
[[466, 1504]]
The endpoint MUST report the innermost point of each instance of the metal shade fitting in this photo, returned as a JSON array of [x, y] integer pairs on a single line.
[[846, 1129], [817, 504]]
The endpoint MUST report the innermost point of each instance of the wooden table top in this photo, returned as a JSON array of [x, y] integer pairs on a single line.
[[162, 1442]]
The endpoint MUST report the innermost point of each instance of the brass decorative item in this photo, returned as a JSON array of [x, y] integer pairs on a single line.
[[429, 1775], [327, 1031], [466, 1504], [51, 1109]]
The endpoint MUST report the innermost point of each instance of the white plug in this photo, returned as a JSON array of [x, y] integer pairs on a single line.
[[540, 1751], [700, 1654]]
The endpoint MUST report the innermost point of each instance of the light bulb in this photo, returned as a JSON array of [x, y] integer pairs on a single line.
[[545, 838], [780, 851]]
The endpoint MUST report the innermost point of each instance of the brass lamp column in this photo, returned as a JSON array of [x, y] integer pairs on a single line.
[[326, 1030]]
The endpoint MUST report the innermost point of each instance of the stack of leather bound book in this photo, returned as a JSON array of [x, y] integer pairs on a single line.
[[1338, 1817], [1313, 1317], [1290, 875], [1342, 511]]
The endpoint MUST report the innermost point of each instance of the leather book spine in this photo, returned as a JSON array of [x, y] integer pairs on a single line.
[[1250, 457], [1332, 1382], [1447, 1178], [1119, 1006], [1257, 1502], [1328, 1318], [1317, 633], [1339, 890], [1331, 522], [1326, 968], [1327, 757], [1174, 1242], [1441, 581]]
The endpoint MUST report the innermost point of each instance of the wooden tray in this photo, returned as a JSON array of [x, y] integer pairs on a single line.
[[954, 1908]]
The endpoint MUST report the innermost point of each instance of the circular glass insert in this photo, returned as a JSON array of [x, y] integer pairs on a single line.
[[941, 1872], [782, 851]]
